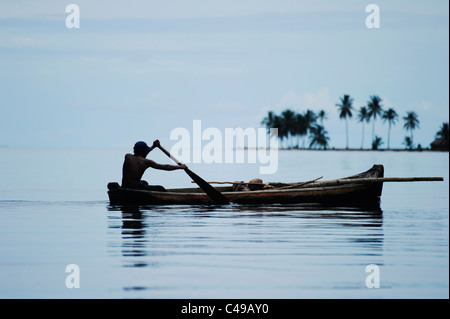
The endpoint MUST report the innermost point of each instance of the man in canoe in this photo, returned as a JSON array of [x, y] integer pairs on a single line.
[[135, 165]]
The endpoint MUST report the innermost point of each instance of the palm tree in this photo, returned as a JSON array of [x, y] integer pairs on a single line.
[[268, 122], [363, 116], [376, 143], [391, 116], [407, 142], [322, 116], [319, 137], [301, 128], [442, 138], [279, 123], [345, 110], [444, 132], [411, 123], [289, 123], [310, 120], [375, 109]]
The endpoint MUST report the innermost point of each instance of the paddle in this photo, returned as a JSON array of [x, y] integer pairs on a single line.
[[213, 193]]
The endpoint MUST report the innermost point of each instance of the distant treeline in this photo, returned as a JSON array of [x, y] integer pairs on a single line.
[[294, 128]]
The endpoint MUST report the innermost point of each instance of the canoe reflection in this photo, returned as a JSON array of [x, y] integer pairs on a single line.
[[149, 234]]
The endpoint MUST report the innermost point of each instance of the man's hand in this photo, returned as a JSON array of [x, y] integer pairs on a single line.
[[155, 144], [182, 166]]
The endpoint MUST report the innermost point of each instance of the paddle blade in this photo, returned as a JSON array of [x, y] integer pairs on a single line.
[[213, 193]]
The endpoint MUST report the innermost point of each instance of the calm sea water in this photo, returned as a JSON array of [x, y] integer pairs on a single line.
[[54, 212]]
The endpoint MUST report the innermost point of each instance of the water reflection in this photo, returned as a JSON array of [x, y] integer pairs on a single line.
[[135, 237], [341, 216], [367, 223], [190, 241], [133, 233]]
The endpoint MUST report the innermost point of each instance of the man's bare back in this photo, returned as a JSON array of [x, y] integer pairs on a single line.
[[135, 165]]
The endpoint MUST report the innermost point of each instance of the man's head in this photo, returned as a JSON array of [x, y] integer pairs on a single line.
[[141, 148]]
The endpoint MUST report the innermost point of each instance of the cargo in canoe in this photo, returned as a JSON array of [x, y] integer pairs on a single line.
[[364, 191]]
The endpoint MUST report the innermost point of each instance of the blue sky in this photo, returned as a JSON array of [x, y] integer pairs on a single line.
[[135, 70]]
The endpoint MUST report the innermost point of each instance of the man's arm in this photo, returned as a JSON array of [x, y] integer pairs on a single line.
[[165, 167]]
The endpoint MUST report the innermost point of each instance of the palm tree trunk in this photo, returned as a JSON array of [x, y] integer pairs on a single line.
[[373, 130], [346, 130], [389, 136], [362, 141]]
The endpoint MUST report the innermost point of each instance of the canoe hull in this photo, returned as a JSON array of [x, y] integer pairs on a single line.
[[349, 194]]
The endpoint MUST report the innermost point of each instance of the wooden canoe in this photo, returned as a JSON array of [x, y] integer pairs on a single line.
[[338, 192]]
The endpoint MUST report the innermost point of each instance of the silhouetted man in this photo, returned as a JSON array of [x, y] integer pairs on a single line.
[[135, 165]]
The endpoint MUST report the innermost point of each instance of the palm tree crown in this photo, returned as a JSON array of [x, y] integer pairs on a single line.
[[346, 107], [319, 137], [390, 115], [443, 132], [322, 116], [268, 120], [363, 114]]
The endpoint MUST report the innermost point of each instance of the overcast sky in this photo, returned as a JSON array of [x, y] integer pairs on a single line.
[[136, 70]]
